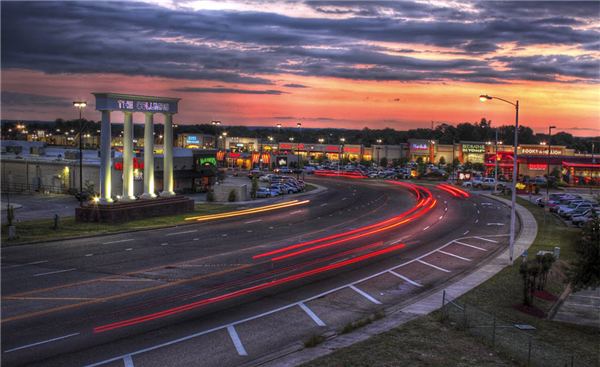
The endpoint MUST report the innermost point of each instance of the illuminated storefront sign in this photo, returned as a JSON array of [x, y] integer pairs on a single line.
[[541, 151], [352, 150], [473, 148], [333, 148], [540, 167], [143, 106], [137, 176], [464, 176], [419, 146], [136, 165], [192, 140], [285, 146], [234, 155], [211, 160]]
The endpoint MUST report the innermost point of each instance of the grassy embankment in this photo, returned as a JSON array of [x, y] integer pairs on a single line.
[[428, 342], [43, 230]]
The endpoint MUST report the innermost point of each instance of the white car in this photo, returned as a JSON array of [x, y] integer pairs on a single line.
[[266, 178]]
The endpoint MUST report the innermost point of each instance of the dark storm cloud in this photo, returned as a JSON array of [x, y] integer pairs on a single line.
[[26, 99], [227, 90], [137, 39], [295, 86]]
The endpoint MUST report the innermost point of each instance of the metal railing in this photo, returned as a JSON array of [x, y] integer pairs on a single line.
[[505, 337], [19, 188]]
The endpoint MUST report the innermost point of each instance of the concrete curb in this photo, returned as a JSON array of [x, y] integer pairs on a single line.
[[423, 306]]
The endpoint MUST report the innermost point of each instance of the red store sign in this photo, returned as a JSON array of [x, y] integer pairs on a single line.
[[540, 167], [136, 165]]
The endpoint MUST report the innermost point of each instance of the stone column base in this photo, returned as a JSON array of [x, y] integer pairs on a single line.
[[106, 201], [127, 198], [167, 194], [148, 196]]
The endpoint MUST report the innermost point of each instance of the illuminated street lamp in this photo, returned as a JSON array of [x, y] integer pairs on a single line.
[[80, 105], [379, 141], [485, 98], [216, 124], [341, 153], [548, 165]]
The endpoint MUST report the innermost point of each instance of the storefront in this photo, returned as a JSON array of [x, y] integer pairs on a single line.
[[473, 152], [581, 174], [196, 141], [504, 161], [425, 149]]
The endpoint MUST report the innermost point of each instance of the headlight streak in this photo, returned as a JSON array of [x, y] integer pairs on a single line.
[[194, 305], [249, 211]]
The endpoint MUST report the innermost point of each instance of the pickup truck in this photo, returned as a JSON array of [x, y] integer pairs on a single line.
[[486, 183]]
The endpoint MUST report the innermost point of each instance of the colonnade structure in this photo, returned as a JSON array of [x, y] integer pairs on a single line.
[[130, 104]]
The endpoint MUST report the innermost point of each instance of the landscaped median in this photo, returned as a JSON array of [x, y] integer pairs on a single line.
[[43, 230], [433, 340]]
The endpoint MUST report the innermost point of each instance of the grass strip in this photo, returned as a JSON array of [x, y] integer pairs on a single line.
[[43, 230]]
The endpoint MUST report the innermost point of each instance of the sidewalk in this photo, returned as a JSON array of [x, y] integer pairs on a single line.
[[424, 306]]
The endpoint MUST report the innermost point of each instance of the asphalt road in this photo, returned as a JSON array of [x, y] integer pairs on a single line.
[[211, 294]]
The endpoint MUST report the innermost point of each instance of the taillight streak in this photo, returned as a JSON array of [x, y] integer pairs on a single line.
[[249, 211], [190, 306], [454, 189], [448, 191], [357, 236]]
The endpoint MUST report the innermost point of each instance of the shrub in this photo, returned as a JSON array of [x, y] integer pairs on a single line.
[[313, 341], [209, 196], [537, 189], [232, 196]]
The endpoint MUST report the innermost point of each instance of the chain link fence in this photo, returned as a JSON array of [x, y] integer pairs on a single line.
[[506, 338]]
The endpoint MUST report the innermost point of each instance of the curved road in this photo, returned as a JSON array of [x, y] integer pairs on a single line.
[[228, 291]]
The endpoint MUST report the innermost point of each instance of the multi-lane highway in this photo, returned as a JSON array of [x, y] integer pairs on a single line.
[[229, 290]]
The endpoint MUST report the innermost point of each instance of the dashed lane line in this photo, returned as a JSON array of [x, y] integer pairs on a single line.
[[174, 234], [485, 239], [108, 243], [253, 221], [17, 266], [53, 272]]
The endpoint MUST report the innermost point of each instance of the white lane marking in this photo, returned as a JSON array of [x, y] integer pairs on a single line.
[[475, 247], [108, 243], [297, 211], [477, 221], [405, 278], [188, 337], [433, 266], [495, 224], [478, 212], [33, 263], [196, 239], [445, 202], [164, 244], [250, 231], [456, 256], [576, 295], [323, 204], [88, 255], [129, 249], [270, 227], [439, 196], [365, 295], [426, 228], [339, 261], [344, 199], [236, 341], [174, 234], [445, 209], [474, 204], [465, 233], [225, 235], [253, 221], [312, 315], [53, 272], [127, 361], [485, 239], [38, 343], [441, 216]]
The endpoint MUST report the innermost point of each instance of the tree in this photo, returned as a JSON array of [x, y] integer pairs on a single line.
[[232, 196], [383, 162], [468, 166], [530, 271], [546, 261], [479, 167], [254, 188], [420, 160], [442, 161], [209, 196], [584, 272]]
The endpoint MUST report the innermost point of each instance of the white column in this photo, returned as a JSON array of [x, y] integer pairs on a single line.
[[168, 157], [128, 157], [105, 187], [149, 157]]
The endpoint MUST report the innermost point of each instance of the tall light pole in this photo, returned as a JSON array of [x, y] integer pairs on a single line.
[[548, 165], [342, 140], [298, 125], [496, 165], [484, 98], [278, 146], [378, 143], [216, 124], [80, 105], [593, 163]]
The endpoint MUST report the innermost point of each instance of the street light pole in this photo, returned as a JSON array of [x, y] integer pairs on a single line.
[[548, 165], [484, 98], [298, 152], [215, 124], [341, 153], [80, 105], [378, 143], [496, 165], [278, 147]]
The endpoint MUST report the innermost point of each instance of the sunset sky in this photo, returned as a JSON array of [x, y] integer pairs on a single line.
[[340, 64]]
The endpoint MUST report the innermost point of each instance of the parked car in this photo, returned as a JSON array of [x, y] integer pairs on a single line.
[[284, 169], [584, 218], [265, 192], [582, 206], [266, 178], [490, 183]]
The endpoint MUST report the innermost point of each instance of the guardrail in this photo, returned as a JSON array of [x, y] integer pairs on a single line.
[[510, 339]]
